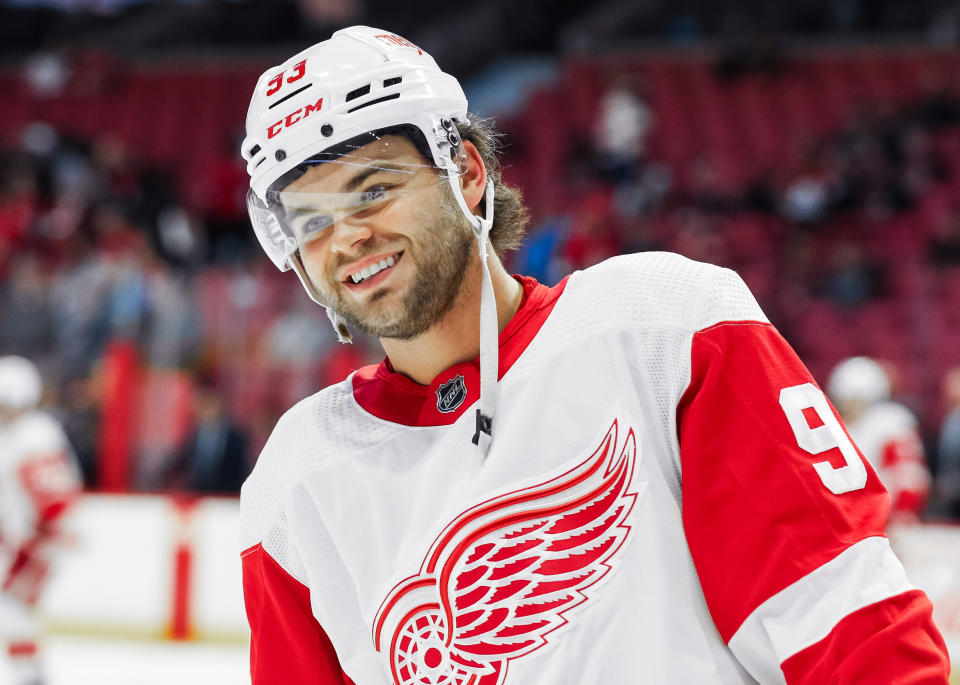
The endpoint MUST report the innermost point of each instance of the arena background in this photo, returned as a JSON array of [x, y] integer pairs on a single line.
[[814, 148]]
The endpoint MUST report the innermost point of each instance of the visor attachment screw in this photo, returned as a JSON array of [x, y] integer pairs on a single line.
[[447, 124], [280, 155], [453, 139], [326, 130]]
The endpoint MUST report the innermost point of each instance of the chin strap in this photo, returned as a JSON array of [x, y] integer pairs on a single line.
[[339, 326], [489, 332]]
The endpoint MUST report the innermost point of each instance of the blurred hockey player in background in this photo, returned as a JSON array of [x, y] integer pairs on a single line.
[[886, 433], [38, 482]]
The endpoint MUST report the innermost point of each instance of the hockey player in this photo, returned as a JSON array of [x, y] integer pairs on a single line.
[[38, 482], [629, 477], [886, 433]]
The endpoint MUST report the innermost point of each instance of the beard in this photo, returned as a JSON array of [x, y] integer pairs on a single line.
[[443, 249]]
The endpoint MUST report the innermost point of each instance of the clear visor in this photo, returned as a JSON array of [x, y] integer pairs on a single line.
[[365, 178]]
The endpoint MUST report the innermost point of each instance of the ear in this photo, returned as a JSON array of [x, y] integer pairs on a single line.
[[473, 182]]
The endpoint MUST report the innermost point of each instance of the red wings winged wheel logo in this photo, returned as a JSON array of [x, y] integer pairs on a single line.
[[502, 575]]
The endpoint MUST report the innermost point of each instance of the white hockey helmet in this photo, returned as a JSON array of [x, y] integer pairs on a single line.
[[20, 383], [359, 81], [336, 96], [858, 379]]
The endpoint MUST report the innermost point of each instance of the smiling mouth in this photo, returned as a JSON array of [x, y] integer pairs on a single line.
[[370, 273]]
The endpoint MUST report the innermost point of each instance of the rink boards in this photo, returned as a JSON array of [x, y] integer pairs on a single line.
[[150, 567], [161, 567]]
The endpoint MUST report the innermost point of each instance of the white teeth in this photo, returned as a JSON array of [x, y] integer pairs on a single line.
[[373, 269]]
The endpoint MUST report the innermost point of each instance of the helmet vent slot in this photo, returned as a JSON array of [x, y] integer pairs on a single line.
[[392, 81], [254, 150], [358, 92], [287, 97], [373, 102]]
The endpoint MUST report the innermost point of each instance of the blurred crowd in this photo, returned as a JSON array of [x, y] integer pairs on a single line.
[[98, 251], [103, 251], [863, 217]]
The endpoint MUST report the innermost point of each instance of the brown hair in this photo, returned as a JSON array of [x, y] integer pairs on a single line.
[[510, 215]]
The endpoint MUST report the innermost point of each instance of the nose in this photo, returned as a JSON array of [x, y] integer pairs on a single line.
[[347, 233]]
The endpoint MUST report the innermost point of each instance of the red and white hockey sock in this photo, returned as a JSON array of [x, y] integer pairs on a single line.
[[25, 663]]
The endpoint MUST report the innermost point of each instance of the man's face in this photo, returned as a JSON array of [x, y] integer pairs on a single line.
[[400, 218]]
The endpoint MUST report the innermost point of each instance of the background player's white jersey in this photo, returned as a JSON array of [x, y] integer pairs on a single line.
[[38, 480], [669, 498], [887, 435]]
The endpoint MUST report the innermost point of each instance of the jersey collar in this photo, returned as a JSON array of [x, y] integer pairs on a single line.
[[394, 397]]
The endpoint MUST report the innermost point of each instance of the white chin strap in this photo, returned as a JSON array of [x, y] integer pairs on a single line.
[[489, 331]]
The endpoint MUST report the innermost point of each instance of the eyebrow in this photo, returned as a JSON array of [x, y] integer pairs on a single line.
[[355, 182]]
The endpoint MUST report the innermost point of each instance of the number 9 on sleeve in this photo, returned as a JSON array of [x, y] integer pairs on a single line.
[[794, 401]]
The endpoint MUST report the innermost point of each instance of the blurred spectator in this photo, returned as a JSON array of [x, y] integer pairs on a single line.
[[805, 199], [948, 449], [299, 336], [297, 343], [46, 74], [214, 457], [179, 237], [25, 308], [174, 331], [621, 130]]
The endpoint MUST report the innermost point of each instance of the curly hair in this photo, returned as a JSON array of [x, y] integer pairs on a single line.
[[510, 215]]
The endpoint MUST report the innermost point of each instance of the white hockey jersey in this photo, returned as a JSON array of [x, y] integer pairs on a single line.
[[39, 480], [668, 498], [888, 437]]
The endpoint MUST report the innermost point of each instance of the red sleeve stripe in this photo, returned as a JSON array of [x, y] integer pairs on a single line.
[[893, 642], [805, 612]]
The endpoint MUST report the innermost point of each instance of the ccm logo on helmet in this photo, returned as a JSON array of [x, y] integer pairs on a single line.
[[394, 39], [294, 117]]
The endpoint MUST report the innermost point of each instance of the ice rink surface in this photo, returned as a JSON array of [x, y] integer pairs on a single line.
[[92, 661]]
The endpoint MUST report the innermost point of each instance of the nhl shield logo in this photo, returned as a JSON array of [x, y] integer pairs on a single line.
[[451, 394]]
